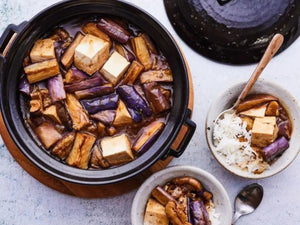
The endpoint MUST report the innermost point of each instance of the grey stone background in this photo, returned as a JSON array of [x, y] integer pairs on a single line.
[[23, 200]]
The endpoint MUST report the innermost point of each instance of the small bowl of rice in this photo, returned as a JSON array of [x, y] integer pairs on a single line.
[[240, 157]]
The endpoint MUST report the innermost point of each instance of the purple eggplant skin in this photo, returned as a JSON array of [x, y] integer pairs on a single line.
[[102, 103], [24, 85], [113, 30], [74, 75], [133, 100], [130, 56], [95, 91], [198, 213], [136, 116], [59, 51], [189, 211], [56, 88], [150, 141], [85, 84], [106, 117], [284, 129], [276, 148]]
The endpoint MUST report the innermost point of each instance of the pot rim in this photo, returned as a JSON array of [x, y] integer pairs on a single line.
[[91, 177]]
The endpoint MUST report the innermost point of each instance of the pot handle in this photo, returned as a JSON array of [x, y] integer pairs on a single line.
[[188, 128], [8, 37]]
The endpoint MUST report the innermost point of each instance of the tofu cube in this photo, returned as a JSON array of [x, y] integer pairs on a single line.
[[264, 131], [116, 150], [155, 214], [255, 112], [115, 67], [122, 115], [91, 54], [43, 49]]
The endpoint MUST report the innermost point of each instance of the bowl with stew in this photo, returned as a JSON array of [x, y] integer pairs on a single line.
[[184, 193], [260, 139], [94, 92]]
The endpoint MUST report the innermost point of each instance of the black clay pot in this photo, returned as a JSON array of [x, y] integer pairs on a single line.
[[17, 40]]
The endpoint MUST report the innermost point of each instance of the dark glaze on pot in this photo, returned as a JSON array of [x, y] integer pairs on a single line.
[[234, 31]]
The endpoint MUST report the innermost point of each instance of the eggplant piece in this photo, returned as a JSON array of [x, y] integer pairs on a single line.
[[147, 136], [156, 76], [284, 129], [133, 100], [111, 131], [79, 117], [74, 75], [122, 50], [133, 72], [275, 149], [64, 116], [85, 84], [42, 70], [95, 91], [199, 213], [36, 101], [97, 159], [254, 101], [51, 113], [56, 88], [123, 117], [136, 116], [272, 109], [46, 98], [59, 50], [155, 97], [141, 51], [47, 134], [106, 117], [91, 28], [161, 195], [101, 129], [102, 103], [81, 150], [64, 146], [24, 85], [149, 44], [68, 56], [113, 30]]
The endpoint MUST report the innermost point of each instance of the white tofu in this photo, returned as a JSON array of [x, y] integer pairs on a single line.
[[115, 67], [155, 214], [91, 54], [264, 131], [255, 112], [117, 150], [122, 115], [43, 49]]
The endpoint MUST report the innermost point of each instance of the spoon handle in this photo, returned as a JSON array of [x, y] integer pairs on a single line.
[[271, 50], [236, 216]]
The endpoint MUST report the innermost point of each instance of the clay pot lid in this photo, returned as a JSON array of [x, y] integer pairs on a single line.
[[234, 31]]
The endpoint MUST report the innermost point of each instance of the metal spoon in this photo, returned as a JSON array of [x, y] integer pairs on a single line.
[[271, 50], [247, 200]]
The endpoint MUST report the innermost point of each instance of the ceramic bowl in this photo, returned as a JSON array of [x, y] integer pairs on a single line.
[[226, 100], [220, 196]]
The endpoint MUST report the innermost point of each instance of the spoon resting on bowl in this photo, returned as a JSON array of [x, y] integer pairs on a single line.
[[247, 200], [271, 50]]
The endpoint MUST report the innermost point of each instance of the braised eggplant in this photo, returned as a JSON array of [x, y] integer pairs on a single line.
[[97, 93]]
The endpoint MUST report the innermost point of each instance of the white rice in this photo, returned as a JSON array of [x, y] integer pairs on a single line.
[[213, 215], [226, 134]]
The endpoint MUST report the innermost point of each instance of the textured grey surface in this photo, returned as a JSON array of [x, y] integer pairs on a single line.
[[23, 200]]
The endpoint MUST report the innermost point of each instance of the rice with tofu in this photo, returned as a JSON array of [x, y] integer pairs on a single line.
[[233, 143]]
